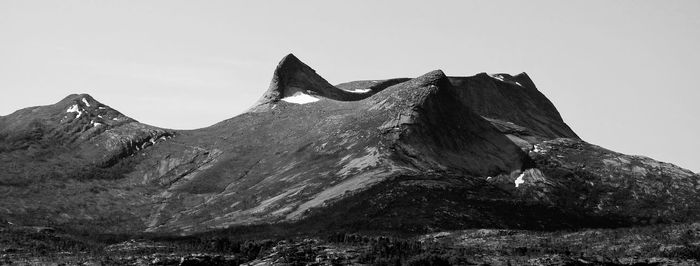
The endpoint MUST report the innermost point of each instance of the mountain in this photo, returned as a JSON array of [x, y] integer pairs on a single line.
[[78, 125], [406, 154]]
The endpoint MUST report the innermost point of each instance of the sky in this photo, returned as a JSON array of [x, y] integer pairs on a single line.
[[623, 74]]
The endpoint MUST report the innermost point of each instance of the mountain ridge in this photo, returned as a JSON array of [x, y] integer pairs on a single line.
[[455, 152]]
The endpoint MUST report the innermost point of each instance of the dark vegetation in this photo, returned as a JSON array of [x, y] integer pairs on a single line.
[[36, 165], [241, 244], [448, 203]]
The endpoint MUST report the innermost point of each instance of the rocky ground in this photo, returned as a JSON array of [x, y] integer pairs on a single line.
[[651, 245]]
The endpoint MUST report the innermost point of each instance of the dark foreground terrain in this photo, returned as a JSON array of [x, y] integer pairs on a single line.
[[273, 245]]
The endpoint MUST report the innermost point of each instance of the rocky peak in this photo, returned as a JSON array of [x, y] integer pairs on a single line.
[[293, 78], [80, 123], [83, 107], [430, 118], [515, 100], [74, 115], [434, 78]]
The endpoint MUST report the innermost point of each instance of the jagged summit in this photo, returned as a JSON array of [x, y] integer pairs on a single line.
[[78, 122], [78, 97], [72, 112], [515, 99], [521, 80], [294, 78], [499, 98]]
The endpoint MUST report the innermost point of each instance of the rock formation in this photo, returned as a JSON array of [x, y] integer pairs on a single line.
[[420, 154]]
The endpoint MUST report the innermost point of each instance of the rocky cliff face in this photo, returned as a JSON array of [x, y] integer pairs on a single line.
[[432, 152], [514, 105]]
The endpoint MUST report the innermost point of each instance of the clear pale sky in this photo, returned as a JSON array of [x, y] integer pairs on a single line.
[[623, 74]]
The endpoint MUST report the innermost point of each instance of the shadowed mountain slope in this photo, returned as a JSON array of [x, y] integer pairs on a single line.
[[399, 154], [513, 104]]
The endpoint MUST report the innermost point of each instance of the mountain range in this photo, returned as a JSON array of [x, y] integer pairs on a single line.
[[412, 155]]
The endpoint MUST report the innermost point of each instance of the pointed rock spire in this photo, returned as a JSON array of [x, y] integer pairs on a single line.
[[293, 76]]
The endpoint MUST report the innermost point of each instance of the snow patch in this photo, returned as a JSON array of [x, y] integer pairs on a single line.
[[95, 124], [520, 180], [360, 90], [518, 83], [86, 102], [498, 77], [101, 108], [300, 98], [75, 109]]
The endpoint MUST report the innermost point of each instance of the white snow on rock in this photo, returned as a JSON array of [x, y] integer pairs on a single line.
[[498, 77], [86, 102], [520, 180], [501, 78], [74, 109], [360, 90], [101, 108], [95, 124], [300, 98]]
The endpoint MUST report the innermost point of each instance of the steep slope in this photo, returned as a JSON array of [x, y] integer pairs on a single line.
[[293, 77], [421, 154], [514, 105]]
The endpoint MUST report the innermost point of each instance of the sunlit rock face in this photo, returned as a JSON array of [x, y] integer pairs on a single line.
[[407, 154]]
